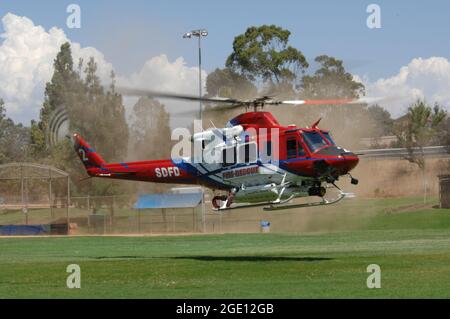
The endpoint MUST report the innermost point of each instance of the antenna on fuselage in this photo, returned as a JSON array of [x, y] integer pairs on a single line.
[[314, 126]]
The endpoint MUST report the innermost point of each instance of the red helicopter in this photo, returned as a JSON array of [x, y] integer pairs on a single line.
[[256, 162]]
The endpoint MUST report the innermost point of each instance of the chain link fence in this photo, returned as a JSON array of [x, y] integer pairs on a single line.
[[111, 215]]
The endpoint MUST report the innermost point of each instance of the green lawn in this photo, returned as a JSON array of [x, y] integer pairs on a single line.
[[411, 246]]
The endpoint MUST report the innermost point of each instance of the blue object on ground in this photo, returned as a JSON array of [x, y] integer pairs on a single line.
[[188, 200], [23, 230]]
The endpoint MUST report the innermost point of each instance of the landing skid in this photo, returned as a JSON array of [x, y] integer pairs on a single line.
[[324, 202], [281, 206]]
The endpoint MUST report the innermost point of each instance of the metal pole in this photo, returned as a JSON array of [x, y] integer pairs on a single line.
[[139, 221], [21, 191], [201, 114], [50, 193], [199, 33], [111, 211], [193, 220], [203, 210], [68, 201], [200, 76]]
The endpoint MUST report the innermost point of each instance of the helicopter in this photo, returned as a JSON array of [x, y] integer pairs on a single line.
[[253, 161]]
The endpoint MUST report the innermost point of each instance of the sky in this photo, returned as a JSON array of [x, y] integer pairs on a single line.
[[142, 41]]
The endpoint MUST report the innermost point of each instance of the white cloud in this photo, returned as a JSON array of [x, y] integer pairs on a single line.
[[159, 74], [27, 52], [421, 78], [26, 64]]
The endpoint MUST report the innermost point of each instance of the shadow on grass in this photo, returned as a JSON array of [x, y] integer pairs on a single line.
[[224, 258], [252, 258], [120, 257]]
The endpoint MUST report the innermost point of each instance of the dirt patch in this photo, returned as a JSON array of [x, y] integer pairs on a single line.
[[392, 178]]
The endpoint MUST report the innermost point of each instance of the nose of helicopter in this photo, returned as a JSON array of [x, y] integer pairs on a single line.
[[349, 162], [345, 161]]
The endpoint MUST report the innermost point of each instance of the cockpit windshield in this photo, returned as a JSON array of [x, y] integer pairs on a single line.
[[328, 137], [314, 140]]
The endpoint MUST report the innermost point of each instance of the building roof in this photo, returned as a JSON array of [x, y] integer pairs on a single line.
[[152, 201]]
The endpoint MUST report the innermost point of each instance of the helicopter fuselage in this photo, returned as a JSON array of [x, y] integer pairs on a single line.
[[266, 162]]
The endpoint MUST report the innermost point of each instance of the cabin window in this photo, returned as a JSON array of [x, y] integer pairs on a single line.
[[291, 148], [248, 153], [314, 140]]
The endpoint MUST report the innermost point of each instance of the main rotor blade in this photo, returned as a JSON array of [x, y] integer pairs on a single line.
[[155, 94], [367, 100], [215, 109]]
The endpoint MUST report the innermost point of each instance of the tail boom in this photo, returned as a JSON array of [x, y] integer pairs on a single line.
[[159, 171]]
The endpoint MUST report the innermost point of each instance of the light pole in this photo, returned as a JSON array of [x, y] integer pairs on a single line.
[[199, 34]]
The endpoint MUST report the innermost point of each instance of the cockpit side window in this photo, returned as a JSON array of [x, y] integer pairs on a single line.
[[291, 148], [300, 149], [328, 137], [314, 140]]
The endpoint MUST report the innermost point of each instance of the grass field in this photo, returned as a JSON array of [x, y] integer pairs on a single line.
[[411, 245]]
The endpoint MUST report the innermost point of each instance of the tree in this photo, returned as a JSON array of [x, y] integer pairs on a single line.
[[150, 134], [63, 81], [330, 81], [14, 138], [99, 117], [150, 130], [418, 128], [263, 53], [443, 133], [379, 124], [228, 83], [95, 113]]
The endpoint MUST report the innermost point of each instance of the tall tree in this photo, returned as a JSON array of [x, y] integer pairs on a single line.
[[99, 116], [418, 129], [63, 81], [14, 138], [264, 53], [95, 113], [150, 134], [381, 121], [228, 83], [150, 130], [331, 80], [443, 133]]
